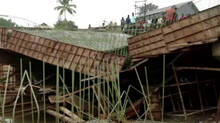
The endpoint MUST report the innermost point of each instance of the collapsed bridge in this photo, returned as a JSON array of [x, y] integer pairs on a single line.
[[180, 59]]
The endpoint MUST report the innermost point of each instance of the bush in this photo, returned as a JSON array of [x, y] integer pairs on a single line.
[[66, 25], [7, 23]]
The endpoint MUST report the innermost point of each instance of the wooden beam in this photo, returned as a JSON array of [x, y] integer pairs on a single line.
[[197, 68], [60, 116], [71, 114]]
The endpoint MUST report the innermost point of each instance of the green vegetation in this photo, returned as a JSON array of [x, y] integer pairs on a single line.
[[66, 25], [65, 7], [7, 23]]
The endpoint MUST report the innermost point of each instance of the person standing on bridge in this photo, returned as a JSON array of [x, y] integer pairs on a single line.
[[128, 20], [133, 23], [133, 19], [122, 23], [171, 15]]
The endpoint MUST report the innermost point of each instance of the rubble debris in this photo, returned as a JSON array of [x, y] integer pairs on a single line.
[[72, 115], [76, 102], [60, 116], [133, 111]]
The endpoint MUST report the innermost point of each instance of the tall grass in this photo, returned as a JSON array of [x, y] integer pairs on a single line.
[[103, 93], [5, 92]]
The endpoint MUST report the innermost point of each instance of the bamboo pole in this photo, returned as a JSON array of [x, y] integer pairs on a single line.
[[199, 93], [35, 99], [73, 87], [44, 97], [93, 100], [143, 92], [148, 93], [164, 79], [179, 90], [63, 72], [89, 90], [4, 98], [104, 88], [57, 93], [22, 92], [197, 68], [32, 105], [15, 103], [80, 93], [99, 102], [171, 100], [108, 87], [19, 92], [83, 94], [98, 94]]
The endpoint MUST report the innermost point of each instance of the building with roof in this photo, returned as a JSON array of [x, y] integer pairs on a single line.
[[186, 8]]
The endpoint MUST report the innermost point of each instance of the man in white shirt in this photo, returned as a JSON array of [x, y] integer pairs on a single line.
[[133, 19]]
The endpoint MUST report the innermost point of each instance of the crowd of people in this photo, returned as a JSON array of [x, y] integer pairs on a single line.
[[140, 25], [128, 21], [133, 25]]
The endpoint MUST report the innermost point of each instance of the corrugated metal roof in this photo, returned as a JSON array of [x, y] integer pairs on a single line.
[[165, 8]]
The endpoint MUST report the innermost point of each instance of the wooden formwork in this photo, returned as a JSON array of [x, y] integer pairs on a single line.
[[147, 44], [4, 72], [11, 76], [3, 37], [196, 29], [65, 55]]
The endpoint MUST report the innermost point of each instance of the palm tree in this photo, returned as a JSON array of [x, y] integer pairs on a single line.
[[65, 7]]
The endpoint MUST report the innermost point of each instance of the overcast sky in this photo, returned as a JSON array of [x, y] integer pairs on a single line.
[[88, 11]]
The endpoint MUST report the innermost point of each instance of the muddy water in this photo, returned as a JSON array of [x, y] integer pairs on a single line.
[[28, 119]]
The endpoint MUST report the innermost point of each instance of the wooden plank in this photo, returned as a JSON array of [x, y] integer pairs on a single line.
[[73, 116], [205, 35], [3, 37], [147, 48], [144, 36], [185, 32], [152, 53], [145, 42], [60, 116], [185, 44]]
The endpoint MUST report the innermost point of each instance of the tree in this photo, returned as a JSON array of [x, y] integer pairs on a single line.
[[7, 23], [65, 25], [65, 7], [146, 8]]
